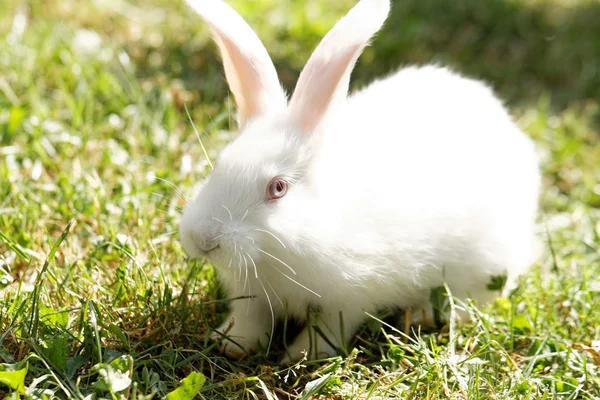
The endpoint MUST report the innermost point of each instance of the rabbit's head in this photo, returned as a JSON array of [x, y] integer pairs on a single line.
[[260, 185]]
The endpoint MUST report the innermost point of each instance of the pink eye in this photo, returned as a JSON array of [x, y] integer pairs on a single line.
[[277, 189]]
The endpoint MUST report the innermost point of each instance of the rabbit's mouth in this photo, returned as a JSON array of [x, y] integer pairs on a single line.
[[208, 253], [203, 252]]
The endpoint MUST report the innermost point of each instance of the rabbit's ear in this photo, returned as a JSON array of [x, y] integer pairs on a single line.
[[325, 78], [249, 70]]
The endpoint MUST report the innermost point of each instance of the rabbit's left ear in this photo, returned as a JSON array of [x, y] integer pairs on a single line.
[[249, 70], [326, 77]]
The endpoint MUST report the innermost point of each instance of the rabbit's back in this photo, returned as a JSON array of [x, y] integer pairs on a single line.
[[428, 167]]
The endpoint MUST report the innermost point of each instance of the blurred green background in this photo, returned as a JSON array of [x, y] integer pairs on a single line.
[[525, 48]]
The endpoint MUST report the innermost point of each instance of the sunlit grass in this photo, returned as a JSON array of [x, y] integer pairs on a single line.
[[94, 135]]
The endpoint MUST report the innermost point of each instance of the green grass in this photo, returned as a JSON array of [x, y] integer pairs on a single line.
[[92, 141]]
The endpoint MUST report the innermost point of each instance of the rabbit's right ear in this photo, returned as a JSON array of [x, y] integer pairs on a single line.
[[249, 70], [326, 76]]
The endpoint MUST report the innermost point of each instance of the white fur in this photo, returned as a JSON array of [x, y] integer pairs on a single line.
[[419, 179]]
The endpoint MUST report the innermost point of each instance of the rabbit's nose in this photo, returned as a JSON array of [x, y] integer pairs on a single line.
[[205, 241]]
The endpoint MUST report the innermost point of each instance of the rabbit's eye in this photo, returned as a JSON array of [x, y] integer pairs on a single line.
[[277, 189]]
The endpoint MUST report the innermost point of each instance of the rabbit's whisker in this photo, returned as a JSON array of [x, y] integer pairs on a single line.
[[179, 192], [248, 237], [295, 281], [164, 207], [166, 234], [272, 315], [229, 211], [246, 269], [249, 287], [253, 263], [230, 261], [245, 214], [162, 196], [217, 219], [274, 292], [272, 234], [275, 258]]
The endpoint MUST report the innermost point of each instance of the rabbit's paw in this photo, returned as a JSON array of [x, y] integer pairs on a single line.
[[239, 336]]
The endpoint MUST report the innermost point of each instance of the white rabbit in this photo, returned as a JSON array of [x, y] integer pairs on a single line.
[[351, 204]]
